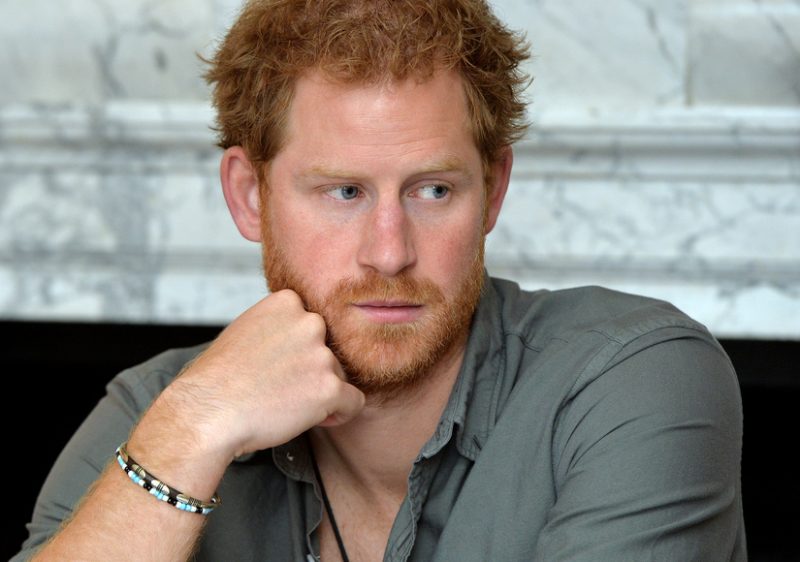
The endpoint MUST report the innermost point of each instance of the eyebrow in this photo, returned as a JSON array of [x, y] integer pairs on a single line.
[[447, 164]]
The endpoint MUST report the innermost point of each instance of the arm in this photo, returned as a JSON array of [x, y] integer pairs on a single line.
[[647, 460], [80, 463], [267, 378]]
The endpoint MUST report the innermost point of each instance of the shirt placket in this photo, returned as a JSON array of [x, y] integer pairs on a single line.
[[294, 461]]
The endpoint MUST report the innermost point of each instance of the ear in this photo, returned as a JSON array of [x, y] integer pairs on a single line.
[[500, 176], [240, 187]]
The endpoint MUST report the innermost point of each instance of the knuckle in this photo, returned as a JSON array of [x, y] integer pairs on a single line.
[[326, 367], [286, 296], [331, 362], [322, 358], [315, 323], [329, 385]]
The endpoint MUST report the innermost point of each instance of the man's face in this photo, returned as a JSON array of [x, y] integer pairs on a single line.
[[374, 215]]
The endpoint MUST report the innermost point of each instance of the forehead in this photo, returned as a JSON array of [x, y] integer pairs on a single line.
[[331, 122]]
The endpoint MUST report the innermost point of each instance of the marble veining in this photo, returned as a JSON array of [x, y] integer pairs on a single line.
[[96, 50], [582, 57], [745, 52], [107, 226], [664, 159]]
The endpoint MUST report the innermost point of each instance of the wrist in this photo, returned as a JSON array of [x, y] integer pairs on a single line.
[[160, 489], [182, 450]]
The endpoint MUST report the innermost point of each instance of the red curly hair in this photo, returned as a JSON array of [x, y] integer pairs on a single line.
[[274, 41]]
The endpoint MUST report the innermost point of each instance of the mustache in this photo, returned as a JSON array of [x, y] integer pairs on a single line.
[[375, 287]]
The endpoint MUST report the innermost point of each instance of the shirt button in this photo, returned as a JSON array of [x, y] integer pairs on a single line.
[[290, 457]]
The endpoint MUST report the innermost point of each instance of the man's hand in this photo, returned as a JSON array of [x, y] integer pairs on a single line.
[[267, 378]]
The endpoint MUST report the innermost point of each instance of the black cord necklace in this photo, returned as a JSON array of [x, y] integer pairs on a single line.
[[329, 509]]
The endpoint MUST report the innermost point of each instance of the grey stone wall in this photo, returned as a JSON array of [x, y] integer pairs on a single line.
[[664, 160]]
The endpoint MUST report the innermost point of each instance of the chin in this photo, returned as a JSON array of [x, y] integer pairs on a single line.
[[386, 360]]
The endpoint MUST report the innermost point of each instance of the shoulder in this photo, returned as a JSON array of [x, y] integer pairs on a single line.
[[538, 316], [567, 340], [592, 362], [633, 412]]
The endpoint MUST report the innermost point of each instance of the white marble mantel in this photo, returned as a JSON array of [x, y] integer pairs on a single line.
[[650, 167]]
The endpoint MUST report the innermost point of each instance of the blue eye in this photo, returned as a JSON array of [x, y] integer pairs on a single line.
[[344, 192], [433, 191]]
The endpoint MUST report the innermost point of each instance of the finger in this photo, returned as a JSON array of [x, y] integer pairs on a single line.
[[349, 403], [338, 370]]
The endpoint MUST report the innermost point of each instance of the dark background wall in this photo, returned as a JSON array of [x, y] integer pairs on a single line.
[[56, 372]]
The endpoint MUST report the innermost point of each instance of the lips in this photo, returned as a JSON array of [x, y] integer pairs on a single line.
[[393, 312]]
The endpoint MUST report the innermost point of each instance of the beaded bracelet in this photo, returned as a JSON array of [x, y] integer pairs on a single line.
[[159, 489]]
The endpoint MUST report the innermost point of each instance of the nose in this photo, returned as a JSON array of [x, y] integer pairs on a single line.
[[387, 239]]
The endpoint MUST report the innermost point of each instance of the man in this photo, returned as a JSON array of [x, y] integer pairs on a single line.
[[388, 400]]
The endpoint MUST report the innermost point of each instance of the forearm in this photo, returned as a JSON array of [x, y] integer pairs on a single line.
[[246, 392], [118, 519]]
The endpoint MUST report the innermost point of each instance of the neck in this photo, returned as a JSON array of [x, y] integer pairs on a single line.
[[374, 452]]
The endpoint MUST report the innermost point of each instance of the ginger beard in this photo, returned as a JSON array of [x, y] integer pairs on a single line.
[[382, 359]]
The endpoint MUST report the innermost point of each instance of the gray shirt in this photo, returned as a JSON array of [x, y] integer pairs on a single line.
[[585, 424]]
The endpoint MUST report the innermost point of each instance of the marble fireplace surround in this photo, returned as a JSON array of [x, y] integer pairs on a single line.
[[677, 177], [116, 214]]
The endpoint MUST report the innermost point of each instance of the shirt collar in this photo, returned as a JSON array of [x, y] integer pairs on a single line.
[[471, 408], [294, 459]]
